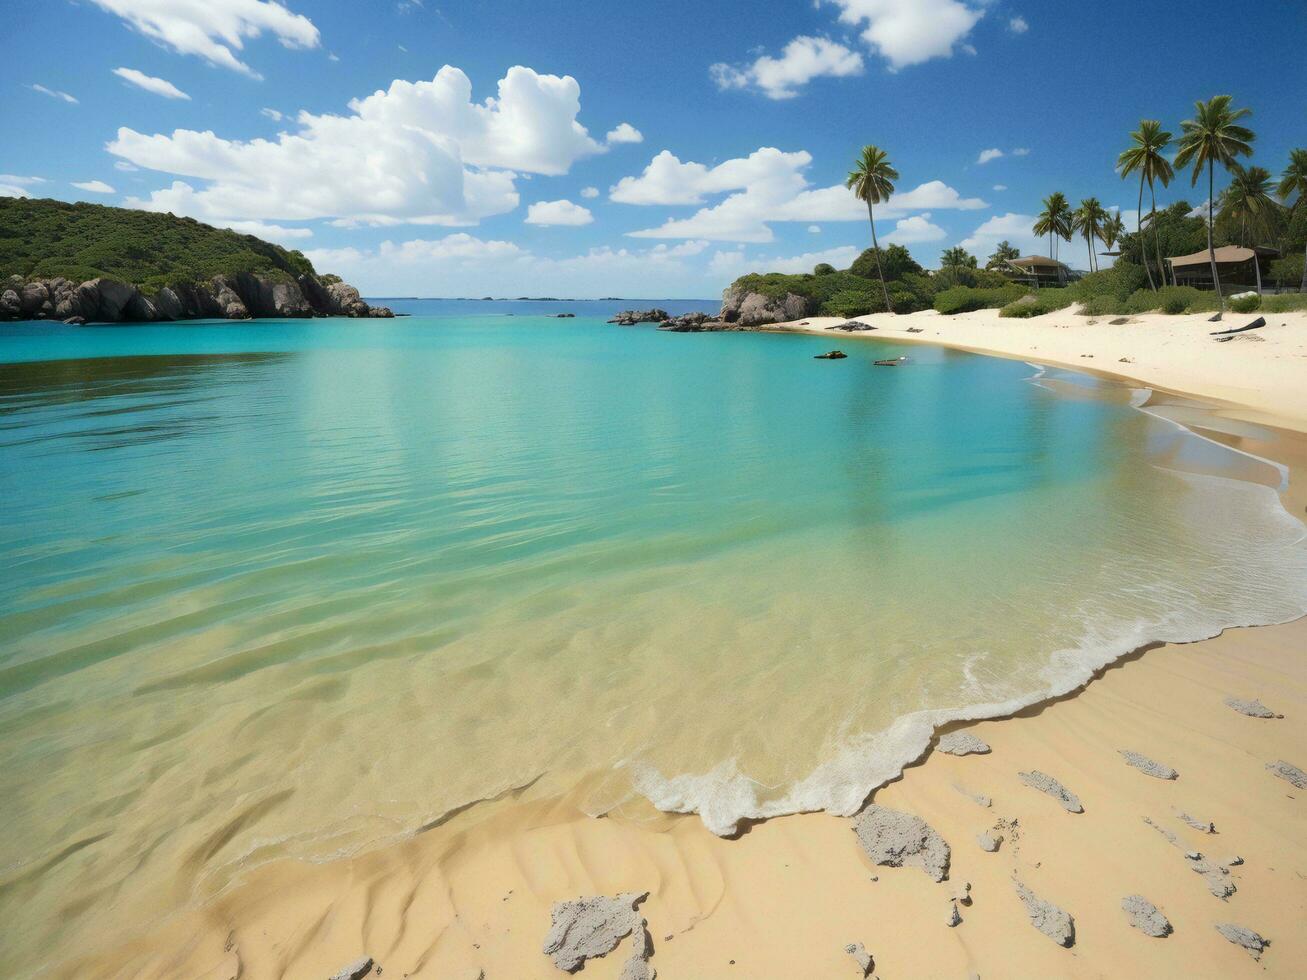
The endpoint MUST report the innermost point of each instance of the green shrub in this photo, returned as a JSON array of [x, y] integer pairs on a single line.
[[1246, 304], [823, 269], [852, 302], [1284, 303], [964, 299], [1171, 299], [1117, 282], [1038, 303], [896, 262], [1103, 305], [1288, 270]]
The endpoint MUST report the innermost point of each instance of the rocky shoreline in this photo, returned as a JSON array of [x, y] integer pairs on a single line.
[[741, 309], [243, 296]]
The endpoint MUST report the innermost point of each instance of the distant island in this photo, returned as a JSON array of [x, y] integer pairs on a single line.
[[82, 263]]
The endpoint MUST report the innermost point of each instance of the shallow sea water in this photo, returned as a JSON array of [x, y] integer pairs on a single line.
[[300, 588]]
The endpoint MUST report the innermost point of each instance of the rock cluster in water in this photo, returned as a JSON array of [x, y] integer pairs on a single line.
[[239, 297]]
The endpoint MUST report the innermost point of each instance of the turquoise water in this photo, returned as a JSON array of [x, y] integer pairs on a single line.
[[300, 588]]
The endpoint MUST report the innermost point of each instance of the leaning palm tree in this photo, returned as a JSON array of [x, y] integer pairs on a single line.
[[1213, 136], [1004, 252], [1113, 230], [872, 180], [1146, 157], [1248, 205], [1055, 222], [1293, 184], [1088, 220]]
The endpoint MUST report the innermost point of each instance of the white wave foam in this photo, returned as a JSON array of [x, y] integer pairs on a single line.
[[724, 797]]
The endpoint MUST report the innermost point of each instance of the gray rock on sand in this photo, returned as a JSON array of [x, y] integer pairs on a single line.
[[980, 799], [1047, 784], [1145, 917], [1253, 708], [962, 894], [896, 839], [1054, 923], [1288, 772], [1206, 826], [859, 953], [590, 927], [989, 841], [962, 743], [1241, 936], [1171, 838], [1147, 766], [1215, 876], [355, 971], [954, 917], [637, 965]]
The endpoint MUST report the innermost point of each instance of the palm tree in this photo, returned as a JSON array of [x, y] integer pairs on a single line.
[[872, 180], [1055, 222], [1088, 220], [1113, 230], [1247, 203], [1146, 157], [1213, 136], [957, 256], [1004, 252], [1293, 184]]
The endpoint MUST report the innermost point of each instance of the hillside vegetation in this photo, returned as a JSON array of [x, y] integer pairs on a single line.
[[42, 239]]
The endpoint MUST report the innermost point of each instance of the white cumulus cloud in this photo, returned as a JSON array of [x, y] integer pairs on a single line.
[[915, 230], [589, 192], [558, 213], [624, 133], [769, 185], [159, 86], [93, 186], [262, 229], [802, 60], [735, 262], [1000, 187], [1011, 227], [991, 154], [909, 32], [1018, 25], [214, 29], [417, 152], [272, 114]]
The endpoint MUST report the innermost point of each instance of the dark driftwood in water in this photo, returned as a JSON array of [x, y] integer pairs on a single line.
[[1259, 322], [890, 362], [833, 355]]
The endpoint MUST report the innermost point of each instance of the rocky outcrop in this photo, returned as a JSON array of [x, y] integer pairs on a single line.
[[238, 297], [629, 318], [696, 323], [750, 309]]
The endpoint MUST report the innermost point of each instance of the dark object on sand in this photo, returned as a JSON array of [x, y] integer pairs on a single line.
[[357, 970], [1259, 322], [916, 329], [852, 326], [890, 362], [830, 355]]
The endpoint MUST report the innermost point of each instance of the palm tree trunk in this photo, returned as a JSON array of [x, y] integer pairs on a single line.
[[1211, 251], [876, 248], [1257, 267], [1139, 234], [1157, 234], [1303, 286]]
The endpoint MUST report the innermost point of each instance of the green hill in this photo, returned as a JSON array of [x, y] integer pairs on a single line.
[[43, 238]]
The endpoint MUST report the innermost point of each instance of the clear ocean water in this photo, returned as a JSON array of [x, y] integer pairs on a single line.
[[302, 587]]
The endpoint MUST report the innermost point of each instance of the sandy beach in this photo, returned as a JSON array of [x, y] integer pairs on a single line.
[[472, 896]]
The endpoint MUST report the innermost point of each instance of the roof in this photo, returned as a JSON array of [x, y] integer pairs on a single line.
[[1036, 261], [1225, 254]]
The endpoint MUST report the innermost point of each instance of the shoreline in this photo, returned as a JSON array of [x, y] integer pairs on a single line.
[[1257, 376], [503, 862]]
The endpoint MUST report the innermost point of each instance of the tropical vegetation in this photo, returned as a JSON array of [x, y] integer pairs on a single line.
[[42, 239]]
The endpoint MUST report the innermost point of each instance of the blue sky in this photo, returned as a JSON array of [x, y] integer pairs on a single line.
[[587, 149]]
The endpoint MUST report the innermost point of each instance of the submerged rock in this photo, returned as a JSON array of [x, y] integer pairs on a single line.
[[1145, 917], [1148, 766], [1254, 708], [1288, 772], [1054, 923], [1047, 784], [1242, 936], [355, 971], [962, 743], [591, 927], [860, 955], [897, 840]]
